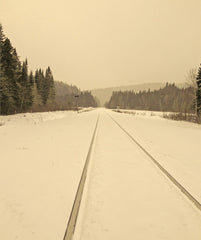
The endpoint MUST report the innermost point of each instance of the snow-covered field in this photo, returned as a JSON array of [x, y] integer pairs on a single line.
[[42, 157], [125, 197]]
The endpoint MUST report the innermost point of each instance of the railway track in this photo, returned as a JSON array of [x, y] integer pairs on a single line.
[[78, 198], [163, 170]]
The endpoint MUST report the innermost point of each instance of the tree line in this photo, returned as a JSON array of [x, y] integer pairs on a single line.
[[22, 91], [70, 97], [167, 99]]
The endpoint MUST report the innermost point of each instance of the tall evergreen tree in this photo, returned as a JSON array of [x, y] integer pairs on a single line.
[[2, 79], [51, 88], [37, 102], [45, 86], [42, 86], [7, 76], [11, 68], [17, 68], [31, 79], [198, 92], [25, 93]]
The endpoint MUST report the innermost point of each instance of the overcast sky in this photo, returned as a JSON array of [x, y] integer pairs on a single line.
[[101, 43]]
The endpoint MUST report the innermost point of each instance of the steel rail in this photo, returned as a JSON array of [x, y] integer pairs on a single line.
[[165, 172], [76, 205]]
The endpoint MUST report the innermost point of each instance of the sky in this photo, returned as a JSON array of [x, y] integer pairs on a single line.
[[97, 44]]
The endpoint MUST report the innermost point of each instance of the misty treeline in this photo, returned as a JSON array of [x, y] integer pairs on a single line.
[[167, 99], [22, 91], [70, 97]]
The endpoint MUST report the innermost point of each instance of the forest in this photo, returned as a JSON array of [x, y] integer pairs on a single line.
[[167, 99], [22, 90]]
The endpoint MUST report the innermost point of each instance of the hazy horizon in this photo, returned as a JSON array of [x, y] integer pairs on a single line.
[[100, 44]]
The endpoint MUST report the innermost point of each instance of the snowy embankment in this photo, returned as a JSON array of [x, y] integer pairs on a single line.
[[175, 144], [86, 109], [142, 112], [42, 157], [178, 116]]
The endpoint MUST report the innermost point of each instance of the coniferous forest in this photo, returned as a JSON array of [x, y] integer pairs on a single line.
[[69, 97], [22, 90], [168, 99]]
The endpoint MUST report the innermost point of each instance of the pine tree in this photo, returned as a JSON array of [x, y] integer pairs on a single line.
[[5, 87], [1, 71], [40, 83], [31, 79], [25, 93], [17, 69], [37, 102], [49, 80], [3, 83], [11, 67], [43, 87], [198, 92]]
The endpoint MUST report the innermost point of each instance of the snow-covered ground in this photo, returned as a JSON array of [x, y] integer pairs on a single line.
[[175, 144], [42, 157], [142, 112], [125, 197]]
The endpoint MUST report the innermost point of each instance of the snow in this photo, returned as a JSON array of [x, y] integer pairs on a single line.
[[42, 156], [142, 112], [125, 197], [175, 144]]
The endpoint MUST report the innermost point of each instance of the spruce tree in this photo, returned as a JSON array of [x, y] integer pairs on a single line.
[[25, 93], [5, 84], [17, 69], [43, 87], [11, 67], [1, 71], [198, 92], [31, 79], [49, 80], [37, 102]]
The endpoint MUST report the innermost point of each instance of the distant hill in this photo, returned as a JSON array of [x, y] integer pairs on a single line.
[[63, 89], [104, 94], [70, 97]]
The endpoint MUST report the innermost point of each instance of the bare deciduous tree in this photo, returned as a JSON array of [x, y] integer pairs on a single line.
[[191, 78]]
